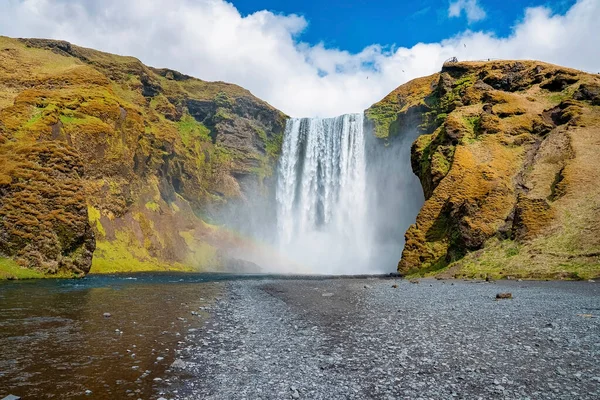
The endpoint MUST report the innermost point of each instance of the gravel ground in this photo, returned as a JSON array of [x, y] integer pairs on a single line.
[[362, 338]]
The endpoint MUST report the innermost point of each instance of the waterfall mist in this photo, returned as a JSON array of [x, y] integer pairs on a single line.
[[339, 202], [344, 201], [321, 194]]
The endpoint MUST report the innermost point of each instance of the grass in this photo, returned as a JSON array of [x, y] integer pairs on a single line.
[[94, 218], [190, 130], [119, 256], [11, 270]]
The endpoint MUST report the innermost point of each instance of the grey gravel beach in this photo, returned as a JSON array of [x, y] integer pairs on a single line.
[[365, 339]]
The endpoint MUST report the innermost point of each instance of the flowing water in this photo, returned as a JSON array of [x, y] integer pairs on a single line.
[[56, 342], [321, 195]]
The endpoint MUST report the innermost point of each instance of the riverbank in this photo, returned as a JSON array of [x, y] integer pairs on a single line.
[[357, 339], [186, 336]]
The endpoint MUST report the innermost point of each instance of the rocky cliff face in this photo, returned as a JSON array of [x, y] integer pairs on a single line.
[[508, 163], [146, 155]]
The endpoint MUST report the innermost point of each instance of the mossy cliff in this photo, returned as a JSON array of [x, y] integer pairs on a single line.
[[508, 161], [94, 144]]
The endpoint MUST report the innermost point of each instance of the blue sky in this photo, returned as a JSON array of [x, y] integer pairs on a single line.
[[317, 57], [354, 24]]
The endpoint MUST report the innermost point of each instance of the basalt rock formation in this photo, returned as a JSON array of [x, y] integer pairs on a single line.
[[508, 161], [94, 144]]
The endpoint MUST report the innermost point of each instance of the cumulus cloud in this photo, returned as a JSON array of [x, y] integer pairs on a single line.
[[262, 52], [471, 9]]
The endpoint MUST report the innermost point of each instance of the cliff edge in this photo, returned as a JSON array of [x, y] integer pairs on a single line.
[[508, 161], [101, 151]]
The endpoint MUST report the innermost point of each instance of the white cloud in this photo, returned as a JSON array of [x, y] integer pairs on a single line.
[[209, 39], [471, 8]]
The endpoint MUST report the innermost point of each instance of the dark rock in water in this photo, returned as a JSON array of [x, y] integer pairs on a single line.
[[504, 296], [415, 281], [395, 286]]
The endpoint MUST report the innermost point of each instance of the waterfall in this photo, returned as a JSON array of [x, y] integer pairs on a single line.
[[322, 195]]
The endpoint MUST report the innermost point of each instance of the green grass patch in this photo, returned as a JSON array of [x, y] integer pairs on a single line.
[[152, 206], [121, 255], [190, 130], [11, 270], [94, 218]]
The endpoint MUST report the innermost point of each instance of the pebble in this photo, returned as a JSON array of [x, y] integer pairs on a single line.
[[275, 339]]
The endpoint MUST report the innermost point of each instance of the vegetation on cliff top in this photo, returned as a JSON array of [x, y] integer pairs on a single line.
[[160, 150], [507, 167]]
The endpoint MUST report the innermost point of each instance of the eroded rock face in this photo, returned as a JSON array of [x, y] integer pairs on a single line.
[[163, 153], [43, 211], [498, 162]]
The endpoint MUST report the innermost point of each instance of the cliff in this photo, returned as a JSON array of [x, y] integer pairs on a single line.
[[100, 151], [508, 161]]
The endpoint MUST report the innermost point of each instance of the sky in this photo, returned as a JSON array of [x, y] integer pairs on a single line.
[[316, 57]]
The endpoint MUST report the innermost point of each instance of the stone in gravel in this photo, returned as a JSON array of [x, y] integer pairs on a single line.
[[504, 296], [178, 364], [107, 315]]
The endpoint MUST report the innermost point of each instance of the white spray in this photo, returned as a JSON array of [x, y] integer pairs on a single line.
[[321, 195]]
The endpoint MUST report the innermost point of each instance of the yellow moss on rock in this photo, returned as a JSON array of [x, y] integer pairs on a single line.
[[503, 158], [153, 141]]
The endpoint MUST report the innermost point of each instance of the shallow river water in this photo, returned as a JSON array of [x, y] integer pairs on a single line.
[[56, 341]]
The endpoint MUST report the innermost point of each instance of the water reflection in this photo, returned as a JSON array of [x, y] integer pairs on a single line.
[[56, 342]]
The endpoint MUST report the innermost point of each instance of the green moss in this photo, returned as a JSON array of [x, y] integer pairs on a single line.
[[123, 255], [223, 114], [152, 206], [272, 144], [382, 115], [464, 82], [94, 218], [473, 123], [202, 254], [439, 164], [35, 117], [11, 270], [223, 100], [190, 130]]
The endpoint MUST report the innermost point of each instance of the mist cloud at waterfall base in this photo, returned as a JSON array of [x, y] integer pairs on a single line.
[[339, 204]]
